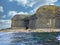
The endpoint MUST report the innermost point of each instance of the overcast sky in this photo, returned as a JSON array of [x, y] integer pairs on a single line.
[[8, 8]]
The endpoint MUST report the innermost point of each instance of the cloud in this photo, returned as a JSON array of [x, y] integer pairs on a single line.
[[22, 13], [12, 13], [51, 2], [21, 1], [32, 3], [10, 0], [4, 16], [1, 9], [5, 24], [33, 11]]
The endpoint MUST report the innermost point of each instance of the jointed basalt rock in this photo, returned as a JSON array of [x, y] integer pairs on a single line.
[[47, 16]]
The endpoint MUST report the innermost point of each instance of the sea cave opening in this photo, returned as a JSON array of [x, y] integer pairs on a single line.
[[26, 23]]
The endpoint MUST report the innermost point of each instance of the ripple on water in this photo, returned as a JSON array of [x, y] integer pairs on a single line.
[[28, 38]]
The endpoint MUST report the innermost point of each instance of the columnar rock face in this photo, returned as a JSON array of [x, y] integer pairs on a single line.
[[45, 17], [32, 22], [23, 21], [20, 21], [48, 16]]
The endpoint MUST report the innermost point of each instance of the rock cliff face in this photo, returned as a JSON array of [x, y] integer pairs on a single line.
[[49, 16], [45, 17], [49, 11], [20, 21]]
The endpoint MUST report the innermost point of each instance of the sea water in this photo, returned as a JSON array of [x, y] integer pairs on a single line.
[[23, 38]]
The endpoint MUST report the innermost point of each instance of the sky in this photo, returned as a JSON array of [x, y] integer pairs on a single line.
[[9, 8]]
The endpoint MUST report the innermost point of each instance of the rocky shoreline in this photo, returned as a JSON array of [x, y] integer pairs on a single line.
[[30, 30]]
